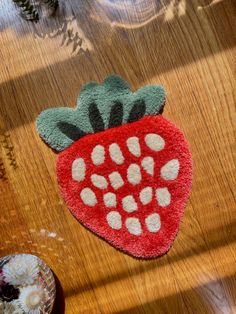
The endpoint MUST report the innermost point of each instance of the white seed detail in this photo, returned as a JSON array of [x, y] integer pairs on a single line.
[[78, 169], [133, 225], [116, 154], [98, 155], [88, 197], [133, 146], [116, 180], [170, 170], [109, 199], [146, 195], [153, 223], [155, 142], [129, 204], [114, 220], [148, 165], [133, 174], [99, 181], [163, 197]]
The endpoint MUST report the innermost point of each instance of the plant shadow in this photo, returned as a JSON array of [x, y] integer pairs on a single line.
[[161, 45]]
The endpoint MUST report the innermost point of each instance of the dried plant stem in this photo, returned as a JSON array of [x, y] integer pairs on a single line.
[[51, 3], [27, 10]]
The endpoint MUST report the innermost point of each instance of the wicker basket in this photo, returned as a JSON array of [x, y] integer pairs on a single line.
[[45, 278]]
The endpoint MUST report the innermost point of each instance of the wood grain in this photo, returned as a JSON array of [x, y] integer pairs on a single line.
[[187, 46]]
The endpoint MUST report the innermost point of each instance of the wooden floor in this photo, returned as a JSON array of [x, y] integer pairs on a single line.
[[187, 46]]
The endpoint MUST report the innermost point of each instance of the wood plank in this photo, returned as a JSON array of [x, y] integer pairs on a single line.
[[187, 46]]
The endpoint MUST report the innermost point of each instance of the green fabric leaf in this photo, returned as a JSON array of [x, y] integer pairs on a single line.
[[104, 98]]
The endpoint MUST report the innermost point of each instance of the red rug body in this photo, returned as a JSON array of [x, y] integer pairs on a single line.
[[129, 184]]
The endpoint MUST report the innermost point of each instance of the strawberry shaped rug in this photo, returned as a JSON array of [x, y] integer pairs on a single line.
[[124, 170]]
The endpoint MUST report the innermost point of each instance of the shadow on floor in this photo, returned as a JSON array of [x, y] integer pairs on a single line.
[[146, 52], [207, 298], [59, 305], [215, 237]]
